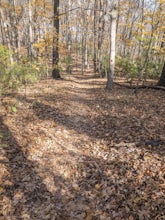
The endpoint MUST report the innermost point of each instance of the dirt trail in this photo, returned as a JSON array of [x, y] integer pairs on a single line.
[[70, 153]]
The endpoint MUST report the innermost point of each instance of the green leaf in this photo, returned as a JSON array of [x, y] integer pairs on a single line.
[[3, 145], [14, 109]]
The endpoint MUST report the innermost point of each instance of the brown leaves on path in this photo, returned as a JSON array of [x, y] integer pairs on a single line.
[[73, 151]]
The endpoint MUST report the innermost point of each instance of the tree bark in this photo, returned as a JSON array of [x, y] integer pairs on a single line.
[[7, 40], [15, 40], [110, 74], [94, 40], [161, 81], [69, 40], [30, 48], [100, 37], [83, 52], [56, 72]]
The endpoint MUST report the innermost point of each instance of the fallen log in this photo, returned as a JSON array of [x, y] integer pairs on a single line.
[[141, 87]]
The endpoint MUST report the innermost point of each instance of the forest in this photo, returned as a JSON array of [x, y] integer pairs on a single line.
[[82, 106]]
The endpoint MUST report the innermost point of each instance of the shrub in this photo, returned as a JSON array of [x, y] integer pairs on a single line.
[[4, 56], [12, 76], [153, 70], [130, 68]]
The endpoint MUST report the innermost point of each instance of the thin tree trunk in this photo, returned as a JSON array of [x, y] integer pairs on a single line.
[[83, 53], [15, 33], [94, 39], [100, 37], [6, 33], [69, 41], [146, 58], [86, 54], [30, 51], [56, 72]]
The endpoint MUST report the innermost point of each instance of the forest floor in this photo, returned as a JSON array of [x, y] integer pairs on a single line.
[[70, 150]]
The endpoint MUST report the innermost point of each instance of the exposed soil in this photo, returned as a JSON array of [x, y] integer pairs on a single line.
[[72, 151]]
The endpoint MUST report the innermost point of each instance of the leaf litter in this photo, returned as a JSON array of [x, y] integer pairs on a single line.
[[72, 151]]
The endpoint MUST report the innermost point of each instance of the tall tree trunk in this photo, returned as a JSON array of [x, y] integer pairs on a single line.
[[100, 36], [14, 27], [86, 54], [142, 32], [69, 40], [110, 74], [161, 81], [83, 52], [30, 48], [56, 72], [94, 39], [77, 45], [6, 33]]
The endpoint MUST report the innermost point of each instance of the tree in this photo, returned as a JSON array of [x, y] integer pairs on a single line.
[[6, 39], [26, 29], [56, 72], [69, 40], [101, 24], [30, 48], [110, 75], [94, 39], [161, 81]]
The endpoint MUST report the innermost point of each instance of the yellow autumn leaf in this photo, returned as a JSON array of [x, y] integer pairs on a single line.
[[97, 186], [147, 157], [141, 26], [1, 189], [161, 2]]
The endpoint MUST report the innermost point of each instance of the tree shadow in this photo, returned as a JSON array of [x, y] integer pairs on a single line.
[[113, 126], [94, 82], [25, 196], [99, 189], [85, 76]]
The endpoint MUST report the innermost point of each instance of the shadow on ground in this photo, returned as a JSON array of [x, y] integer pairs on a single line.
[[99, 190], [126, 185], [115, 118]]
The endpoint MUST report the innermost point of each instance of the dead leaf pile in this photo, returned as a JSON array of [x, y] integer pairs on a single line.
[[72, 151]]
